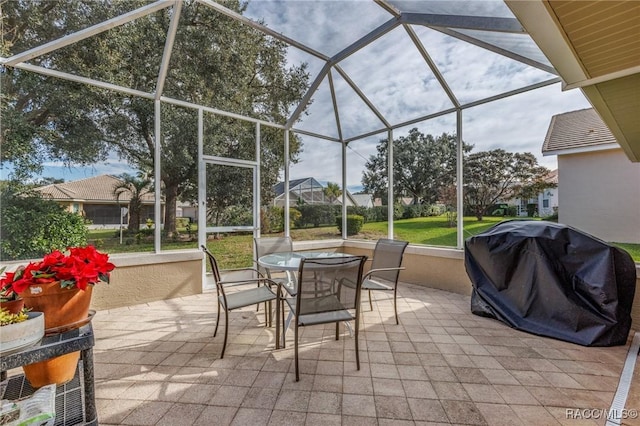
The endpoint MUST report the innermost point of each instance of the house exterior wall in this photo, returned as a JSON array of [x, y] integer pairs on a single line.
[[600, 194], [550, 195]]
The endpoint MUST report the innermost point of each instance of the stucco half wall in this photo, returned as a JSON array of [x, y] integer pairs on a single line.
[[149, 277]]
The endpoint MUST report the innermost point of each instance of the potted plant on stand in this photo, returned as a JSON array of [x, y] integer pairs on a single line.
[[60, 286]]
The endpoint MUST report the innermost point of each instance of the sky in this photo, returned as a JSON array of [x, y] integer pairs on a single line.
[[393, 75]]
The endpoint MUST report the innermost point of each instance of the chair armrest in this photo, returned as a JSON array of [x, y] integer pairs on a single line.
[[224, 271], [247, 281], [373, 271]]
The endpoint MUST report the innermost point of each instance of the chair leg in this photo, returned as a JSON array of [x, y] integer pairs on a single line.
[[337, 331], [370, 304], [226, 332], [284, 338], [296, 351], [217, 320], [357, 346], [395, 304]]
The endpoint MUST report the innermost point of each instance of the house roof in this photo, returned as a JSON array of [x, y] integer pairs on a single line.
[[577, 131], [96, 189], [278, 188], [362, 199], [552, 177]]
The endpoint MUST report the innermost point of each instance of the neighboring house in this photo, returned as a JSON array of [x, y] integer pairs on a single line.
[[93, 198], [599, 187], [306, 190], [363, 200], [545, 204]]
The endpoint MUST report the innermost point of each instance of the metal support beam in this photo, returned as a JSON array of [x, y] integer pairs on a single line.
[[359, 92], [498, 50], [202, 194], [390, 194], [287, 228], [230, 13], [459, 182], [344, 191], [307, 96], [336, 112], [367, 39], [86, 33], [157, 211], [482, 23], [168, 48], [256, 186], [432, 65]]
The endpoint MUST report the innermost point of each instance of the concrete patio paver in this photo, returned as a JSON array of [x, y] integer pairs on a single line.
[[158, 363]]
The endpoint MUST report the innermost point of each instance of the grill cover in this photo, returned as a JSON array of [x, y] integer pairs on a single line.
[[552, 280]]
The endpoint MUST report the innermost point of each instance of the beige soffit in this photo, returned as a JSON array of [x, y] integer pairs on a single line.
[[594, 46]]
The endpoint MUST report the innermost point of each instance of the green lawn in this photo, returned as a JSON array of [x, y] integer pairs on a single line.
[[233, 251]]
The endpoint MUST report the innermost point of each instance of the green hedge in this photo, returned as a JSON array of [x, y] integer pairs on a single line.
[[354, 223]]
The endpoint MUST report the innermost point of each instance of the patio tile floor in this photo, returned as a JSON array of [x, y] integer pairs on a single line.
[[159, 364]]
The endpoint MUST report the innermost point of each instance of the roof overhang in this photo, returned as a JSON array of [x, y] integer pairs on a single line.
[[594, 46]]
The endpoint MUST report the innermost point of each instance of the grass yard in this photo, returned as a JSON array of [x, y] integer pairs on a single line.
[[234, 251]]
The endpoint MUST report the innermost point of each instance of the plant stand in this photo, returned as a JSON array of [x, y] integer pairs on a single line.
[[75, 401]]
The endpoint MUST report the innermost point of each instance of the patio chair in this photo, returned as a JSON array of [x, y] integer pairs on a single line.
[[241, 298], [269, 245], [322, 299], [385, 269]]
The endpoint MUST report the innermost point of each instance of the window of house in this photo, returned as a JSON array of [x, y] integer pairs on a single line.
[[545, 204]]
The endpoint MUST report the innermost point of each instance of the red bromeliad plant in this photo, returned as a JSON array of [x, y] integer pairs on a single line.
[[79, 268]]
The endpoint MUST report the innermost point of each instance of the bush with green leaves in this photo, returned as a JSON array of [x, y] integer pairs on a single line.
[[271, 219], [317, 214], [354, 223], [33, 226], [294, 216]]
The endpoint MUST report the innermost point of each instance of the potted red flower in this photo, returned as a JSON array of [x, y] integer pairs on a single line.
[[60, 286]]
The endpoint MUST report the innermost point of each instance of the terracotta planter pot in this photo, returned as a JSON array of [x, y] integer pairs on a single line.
[[13, 306], [61, 306], [64, 309]]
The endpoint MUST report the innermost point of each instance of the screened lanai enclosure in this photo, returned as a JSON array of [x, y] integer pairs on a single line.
[[222, 100]]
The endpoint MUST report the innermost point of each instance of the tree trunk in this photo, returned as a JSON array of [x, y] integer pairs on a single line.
[[171, 194]]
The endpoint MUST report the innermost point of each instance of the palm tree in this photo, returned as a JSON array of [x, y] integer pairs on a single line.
[[134, 188], [332, 191]]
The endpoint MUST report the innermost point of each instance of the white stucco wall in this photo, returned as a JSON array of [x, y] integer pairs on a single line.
[[599, 193]]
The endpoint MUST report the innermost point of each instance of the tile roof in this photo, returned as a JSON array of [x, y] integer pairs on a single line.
[[582, 129], [98, 188]]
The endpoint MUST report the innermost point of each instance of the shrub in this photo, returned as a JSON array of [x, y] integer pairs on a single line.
[[33, 226], [182, 222], [317, 214], [294, 216], [354, 223], [271, 219]]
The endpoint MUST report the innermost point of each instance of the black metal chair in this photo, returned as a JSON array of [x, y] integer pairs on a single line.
[[321, 298], [241, 298], [385, 269]]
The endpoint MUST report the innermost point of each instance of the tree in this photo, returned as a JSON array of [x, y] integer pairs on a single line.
[[133, 189], [332, 191], [423, 164], [216, 61], [491, 176]]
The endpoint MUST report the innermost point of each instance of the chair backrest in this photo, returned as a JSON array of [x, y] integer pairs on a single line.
[[320, 284], [264, 246], [388, 254], [214, 264]]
